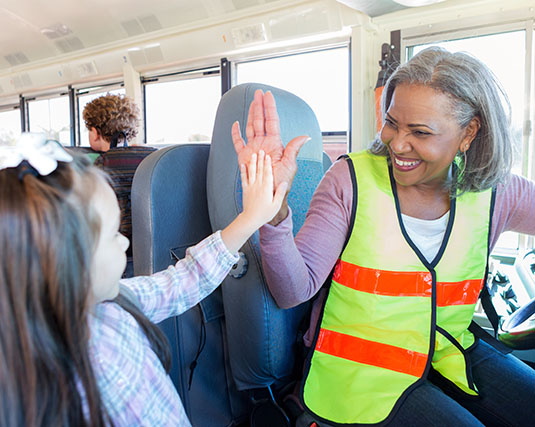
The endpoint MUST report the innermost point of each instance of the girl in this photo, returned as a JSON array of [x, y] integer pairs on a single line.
[[78, 346]]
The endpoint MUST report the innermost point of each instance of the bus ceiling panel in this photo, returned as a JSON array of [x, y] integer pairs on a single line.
[[373, 8], [34, 31]]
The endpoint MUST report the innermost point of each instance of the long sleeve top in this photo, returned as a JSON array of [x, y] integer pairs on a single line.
[[295, 269], [133, 384]]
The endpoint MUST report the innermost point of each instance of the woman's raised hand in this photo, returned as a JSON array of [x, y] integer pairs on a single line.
[[263, 133]]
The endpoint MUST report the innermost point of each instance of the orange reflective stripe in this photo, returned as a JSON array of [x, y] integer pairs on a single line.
[[403, 284], [383, 282], [458, 293], [371, 353]]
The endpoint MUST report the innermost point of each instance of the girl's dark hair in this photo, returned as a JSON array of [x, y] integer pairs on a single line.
[[48, 231], [473, 91]]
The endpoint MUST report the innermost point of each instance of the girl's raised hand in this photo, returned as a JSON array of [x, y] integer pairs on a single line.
[[260, 203]]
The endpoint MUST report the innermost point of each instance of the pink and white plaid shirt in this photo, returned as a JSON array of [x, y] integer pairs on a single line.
[[133, 384]]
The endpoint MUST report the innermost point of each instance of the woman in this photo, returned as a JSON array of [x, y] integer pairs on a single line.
[[406, 229]]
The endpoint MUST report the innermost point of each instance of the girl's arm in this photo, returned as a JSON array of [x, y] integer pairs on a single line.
[[296, 269], [180, 287]]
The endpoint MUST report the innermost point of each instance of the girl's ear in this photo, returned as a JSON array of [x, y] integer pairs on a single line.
[[470, 132]]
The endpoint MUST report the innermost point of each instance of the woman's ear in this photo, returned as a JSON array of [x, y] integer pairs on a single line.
[[470, 132]]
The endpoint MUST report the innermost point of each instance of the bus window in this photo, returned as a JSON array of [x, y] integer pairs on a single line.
[[320, 78], [52, 117], [181, 111], [9, 125], [85, 98]]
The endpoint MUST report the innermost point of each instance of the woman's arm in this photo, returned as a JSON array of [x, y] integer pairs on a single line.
[[296, 269], [514, 209]]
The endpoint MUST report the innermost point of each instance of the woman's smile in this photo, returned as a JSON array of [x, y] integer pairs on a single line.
[[403, 164]]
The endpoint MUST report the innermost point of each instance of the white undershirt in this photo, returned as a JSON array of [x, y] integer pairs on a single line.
[[427, 235]]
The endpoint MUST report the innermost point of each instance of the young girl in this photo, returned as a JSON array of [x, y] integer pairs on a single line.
[[77, 345]]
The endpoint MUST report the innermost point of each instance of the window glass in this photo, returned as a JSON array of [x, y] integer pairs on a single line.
[[51, 116], [181, 111], [9, 126], [320, 78], [82, 101], [512, 48]]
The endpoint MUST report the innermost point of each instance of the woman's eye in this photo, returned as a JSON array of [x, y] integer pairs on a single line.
[[421, 133], [390, 123]]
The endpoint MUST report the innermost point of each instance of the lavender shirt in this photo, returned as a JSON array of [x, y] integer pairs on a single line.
[[132, 382], [295, 269]]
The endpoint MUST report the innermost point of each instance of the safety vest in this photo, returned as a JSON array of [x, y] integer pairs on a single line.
[[390, 314]]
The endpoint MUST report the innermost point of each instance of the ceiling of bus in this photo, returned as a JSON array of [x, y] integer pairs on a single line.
[[34, 31]]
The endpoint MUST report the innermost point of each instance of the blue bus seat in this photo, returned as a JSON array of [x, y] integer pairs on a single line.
[[262, 338], [169, 214]]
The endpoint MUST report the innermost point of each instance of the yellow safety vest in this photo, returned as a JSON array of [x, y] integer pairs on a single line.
[[390, 314]]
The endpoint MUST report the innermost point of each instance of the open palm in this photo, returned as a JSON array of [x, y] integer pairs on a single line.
[[263, 133]]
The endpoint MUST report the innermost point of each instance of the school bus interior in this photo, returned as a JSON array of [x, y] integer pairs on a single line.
[[235, 353]]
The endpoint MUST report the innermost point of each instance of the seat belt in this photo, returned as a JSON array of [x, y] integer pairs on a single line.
[[490, 311]]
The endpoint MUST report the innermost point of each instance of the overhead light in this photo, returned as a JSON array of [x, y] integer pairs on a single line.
[[417, 3]]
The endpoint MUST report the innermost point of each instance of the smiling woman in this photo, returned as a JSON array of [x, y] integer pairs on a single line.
[[415, 219]]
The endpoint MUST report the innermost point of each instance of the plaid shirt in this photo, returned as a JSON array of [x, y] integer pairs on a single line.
[[133, 384]]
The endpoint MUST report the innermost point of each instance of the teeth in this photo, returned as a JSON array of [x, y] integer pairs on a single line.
[[403, 163]]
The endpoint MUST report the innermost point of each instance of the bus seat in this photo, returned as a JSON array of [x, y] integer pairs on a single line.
[[169, 214], [326, 162], [261, 337]]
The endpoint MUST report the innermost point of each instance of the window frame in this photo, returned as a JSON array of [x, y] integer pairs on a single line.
[[10, 107], [43, 96], [175, 76]]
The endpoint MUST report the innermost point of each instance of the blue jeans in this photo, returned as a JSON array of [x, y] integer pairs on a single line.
[[507, 396]]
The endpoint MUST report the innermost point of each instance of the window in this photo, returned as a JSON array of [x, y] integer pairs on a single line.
[[51, 116], [9, 125], [182, 111], [512, 50], [85, 97], [320, 78]]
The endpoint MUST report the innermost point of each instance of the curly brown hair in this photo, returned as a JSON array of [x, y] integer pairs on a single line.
[[110, 114]]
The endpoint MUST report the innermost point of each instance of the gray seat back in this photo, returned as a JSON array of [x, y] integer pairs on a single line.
[[170, 214], [261, 336]]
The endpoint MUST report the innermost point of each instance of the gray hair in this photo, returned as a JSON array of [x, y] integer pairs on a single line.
[[474, 91]]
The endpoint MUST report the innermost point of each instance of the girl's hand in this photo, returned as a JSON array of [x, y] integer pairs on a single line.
[[259, 203]]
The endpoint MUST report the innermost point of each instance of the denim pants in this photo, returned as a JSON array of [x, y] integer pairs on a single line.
[[506, 388], [507, 396]]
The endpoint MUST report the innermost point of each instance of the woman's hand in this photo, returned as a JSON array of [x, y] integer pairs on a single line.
[[263, 133]]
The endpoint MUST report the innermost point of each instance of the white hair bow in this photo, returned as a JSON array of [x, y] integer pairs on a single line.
[[41, 153]]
